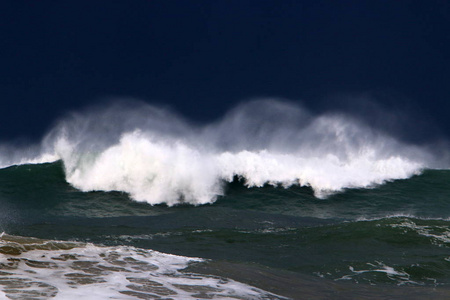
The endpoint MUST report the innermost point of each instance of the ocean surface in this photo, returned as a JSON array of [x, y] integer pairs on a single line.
[[270, 202]]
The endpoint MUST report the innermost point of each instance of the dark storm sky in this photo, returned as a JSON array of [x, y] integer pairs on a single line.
[[203, 57]]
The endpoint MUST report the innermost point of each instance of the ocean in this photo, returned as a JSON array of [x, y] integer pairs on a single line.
[[131, 201]]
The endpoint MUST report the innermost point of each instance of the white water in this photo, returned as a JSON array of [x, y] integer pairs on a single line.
[[157, 157], [65, 270], [398, 276]]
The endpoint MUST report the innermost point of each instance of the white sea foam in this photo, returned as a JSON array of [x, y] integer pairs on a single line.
[[157, 157], [438, 234], [40, 269], [401, 277]]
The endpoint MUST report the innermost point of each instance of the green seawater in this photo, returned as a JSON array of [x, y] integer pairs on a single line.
[[392, 238]]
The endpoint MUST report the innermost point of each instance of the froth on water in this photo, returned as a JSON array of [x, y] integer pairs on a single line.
[[41, 269]]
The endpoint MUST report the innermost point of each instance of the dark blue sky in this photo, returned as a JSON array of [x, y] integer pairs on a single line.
[[203, 57]]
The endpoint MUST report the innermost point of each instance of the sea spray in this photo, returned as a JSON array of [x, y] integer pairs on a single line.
[[157, 157]]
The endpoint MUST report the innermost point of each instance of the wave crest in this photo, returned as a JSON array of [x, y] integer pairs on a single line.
[[158, 157]]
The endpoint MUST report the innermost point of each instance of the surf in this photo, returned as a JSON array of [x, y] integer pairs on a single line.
[[38, 269], [156, 156]]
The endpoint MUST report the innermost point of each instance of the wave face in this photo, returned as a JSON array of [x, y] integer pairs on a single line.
[[157, 157]]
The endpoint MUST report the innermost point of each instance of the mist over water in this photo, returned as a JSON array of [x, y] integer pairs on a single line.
[[157, 156]]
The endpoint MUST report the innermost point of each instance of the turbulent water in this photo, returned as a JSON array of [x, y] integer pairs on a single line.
[[270, 202]]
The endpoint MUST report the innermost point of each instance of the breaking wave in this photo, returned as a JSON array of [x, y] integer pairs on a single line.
[[157, 157]]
